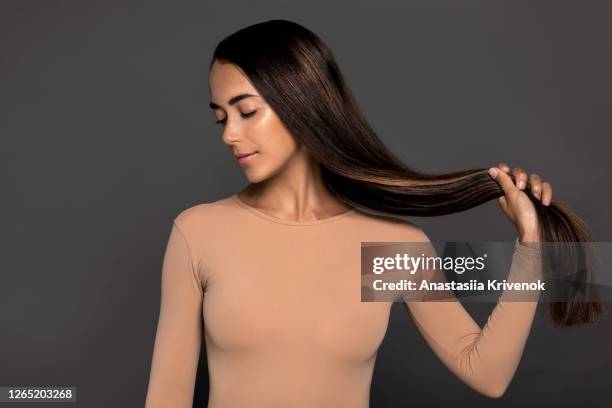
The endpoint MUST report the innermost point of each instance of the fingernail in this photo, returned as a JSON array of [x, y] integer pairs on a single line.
[[521, 184], [493, 172]]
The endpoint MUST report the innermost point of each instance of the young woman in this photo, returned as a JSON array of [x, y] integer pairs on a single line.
[[273, 272]]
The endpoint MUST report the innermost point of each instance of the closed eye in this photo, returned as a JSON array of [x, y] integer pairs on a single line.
[[244, 115]]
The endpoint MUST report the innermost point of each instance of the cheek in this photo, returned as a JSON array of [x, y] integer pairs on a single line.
[[264, 123], [272, 138], [282, 147]]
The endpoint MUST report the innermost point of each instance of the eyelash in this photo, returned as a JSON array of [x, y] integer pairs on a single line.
[[244, 115]]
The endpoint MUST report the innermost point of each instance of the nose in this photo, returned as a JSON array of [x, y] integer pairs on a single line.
[[231, 135]]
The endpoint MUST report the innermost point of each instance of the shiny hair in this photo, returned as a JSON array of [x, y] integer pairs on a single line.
[[297, 75]]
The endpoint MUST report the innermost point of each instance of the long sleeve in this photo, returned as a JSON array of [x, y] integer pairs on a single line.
[[179, 328], [485, 359]]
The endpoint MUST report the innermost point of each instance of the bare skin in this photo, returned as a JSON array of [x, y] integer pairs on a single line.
[[286, 182], [515, 204]]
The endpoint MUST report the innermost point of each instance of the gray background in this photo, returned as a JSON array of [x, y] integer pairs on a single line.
[[106, 136]]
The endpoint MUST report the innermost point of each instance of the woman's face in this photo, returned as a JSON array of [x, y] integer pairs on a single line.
[[249, 124]]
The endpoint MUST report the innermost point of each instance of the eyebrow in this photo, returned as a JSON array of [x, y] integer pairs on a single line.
[[233, 100]]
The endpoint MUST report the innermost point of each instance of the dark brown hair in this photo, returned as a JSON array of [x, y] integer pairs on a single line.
[[297, 75]]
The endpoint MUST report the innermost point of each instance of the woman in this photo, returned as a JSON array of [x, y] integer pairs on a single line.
[[273, 271]]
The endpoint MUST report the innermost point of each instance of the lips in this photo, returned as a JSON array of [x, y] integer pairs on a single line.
[[240, 156]]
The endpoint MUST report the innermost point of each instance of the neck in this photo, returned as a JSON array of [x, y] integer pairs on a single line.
[[296, 193]]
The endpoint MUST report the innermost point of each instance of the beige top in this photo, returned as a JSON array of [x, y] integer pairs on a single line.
[[284, 322]]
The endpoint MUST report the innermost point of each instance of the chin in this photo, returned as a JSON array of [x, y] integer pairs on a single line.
[[255, 176], [259, 174]]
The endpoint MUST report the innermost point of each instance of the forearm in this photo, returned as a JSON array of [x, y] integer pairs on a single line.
[[491, 359], [485, 359]]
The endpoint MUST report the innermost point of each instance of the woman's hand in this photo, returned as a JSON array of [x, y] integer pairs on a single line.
[[516, 204]]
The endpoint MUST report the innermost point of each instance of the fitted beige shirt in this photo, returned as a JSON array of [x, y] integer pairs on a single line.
[[278, 303]]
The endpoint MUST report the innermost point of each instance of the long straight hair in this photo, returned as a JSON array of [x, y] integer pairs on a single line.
[[297, 75]]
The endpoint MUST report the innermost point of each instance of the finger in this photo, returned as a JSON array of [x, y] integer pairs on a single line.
[[503, 180], [546, 193], [504, 167], [520, 177], [535, 183]]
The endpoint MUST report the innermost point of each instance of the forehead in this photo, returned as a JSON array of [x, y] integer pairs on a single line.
[[226, 80]]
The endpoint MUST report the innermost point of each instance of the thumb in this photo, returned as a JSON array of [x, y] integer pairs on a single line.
[[503, 180]]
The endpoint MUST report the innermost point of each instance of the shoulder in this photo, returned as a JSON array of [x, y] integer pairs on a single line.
[[206, 216]]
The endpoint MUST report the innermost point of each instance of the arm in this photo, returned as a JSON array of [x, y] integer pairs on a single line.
[[179, 332], [485, 359]]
